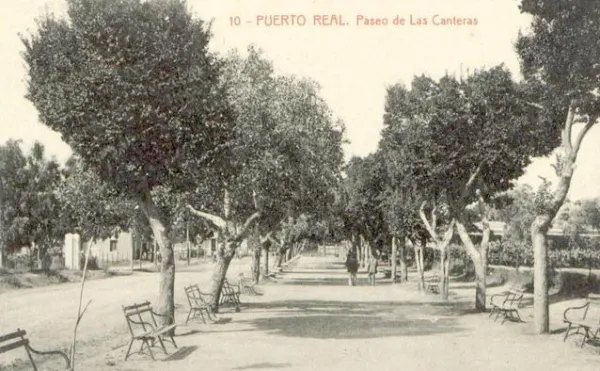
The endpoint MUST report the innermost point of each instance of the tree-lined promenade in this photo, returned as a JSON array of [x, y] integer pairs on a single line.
[[170, 139]]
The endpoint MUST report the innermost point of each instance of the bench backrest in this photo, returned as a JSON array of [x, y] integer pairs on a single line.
[[194, 295], [13, 340], [434, 278], [16, 340], [593, 299], [140, 318], [592, 307], [514, 297]]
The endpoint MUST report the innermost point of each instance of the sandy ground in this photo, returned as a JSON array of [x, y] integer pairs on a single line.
[[308, 319], [48, 313]]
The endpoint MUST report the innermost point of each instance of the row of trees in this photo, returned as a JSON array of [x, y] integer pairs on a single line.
[[451, 147], [175, 131]]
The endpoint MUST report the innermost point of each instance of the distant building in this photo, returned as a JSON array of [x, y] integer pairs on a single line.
[[121, 247]]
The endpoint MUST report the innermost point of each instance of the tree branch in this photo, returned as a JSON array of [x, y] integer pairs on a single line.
[[484, 222], [472, 180], [241, 234], [466, 239], [434, 217], [426, 222], [274, 241], [582, 133], [265, 238], [566, 134], [217, 221], [254, 200]]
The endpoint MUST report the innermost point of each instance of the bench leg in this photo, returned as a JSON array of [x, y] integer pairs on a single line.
[[498, 313], [567, 332], [492, 312], [189, 314], [129, 349], [173, 340], [587, 335], [31, 359], [162, 344], [149, 349], [506, 315]]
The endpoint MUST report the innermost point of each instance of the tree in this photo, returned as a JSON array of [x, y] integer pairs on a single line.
[[559, 63], [30, 208], [134, 91], [287, 154], [475, 137], [365, 216], [89, 207]]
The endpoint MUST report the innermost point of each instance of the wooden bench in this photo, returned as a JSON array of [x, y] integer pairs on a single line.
[[17, 339], [141, 320], [432, 284], [507, 304], [199, 304], [246, 285], [584, 318], [230, 295]]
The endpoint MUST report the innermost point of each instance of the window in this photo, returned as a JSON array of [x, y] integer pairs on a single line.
[[113, 245]]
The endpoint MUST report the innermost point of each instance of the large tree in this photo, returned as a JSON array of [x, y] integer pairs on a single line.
[[134, 91], [559, 60], [287, 157], [475, 137]]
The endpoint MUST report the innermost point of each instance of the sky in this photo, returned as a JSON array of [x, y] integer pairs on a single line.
[[353, 63]]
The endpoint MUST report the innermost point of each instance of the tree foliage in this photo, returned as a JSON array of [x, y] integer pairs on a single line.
[[29, 205], [132, 89]]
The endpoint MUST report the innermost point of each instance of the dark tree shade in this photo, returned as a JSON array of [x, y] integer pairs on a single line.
[[132, 88]]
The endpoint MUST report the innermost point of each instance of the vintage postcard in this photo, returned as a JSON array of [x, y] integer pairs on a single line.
[[299, 185]]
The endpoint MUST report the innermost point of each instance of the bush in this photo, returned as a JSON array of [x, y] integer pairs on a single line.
[[92, 262]]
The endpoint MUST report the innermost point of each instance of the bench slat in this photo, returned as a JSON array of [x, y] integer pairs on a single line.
[[16, 344], [164, 329], [13, 335]]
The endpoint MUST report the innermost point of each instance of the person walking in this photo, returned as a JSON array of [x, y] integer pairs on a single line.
[[372, 268], [352, 267]]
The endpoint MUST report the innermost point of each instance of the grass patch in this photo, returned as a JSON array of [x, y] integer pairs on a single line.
[[14, 280]]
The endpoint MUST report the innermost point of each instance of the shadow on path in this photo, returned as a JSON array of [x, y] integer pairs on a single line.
[[181, 353], [355, 320]]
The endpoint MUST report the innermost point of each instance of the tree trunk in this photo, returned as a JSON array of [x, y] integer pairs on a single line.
[[394, 247], [166, 292], [358, 247], [479, 259], [224, 256], [403, 266], [422, 265], [280, 256], [419, 266], [443, 286], [265, 264], [540, 281], [289, 254], [480, 283], [254, 242], [416, 252], [445, 294]]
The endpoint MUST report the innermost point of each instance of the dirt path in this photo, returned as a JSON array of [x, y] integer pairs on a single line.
[[309, 319], [48, 313]]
